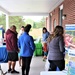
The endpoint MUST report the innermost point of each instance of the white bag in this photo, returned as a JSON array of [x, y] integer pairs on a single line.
[[47, 65]]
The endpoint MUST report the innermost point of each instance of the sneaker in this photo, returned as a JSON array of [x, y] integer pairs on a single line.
[[44, 59], [9, 70], [14, 71]]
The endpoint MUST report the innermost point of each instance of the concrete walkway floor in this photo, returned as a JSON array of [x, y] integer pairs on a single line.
[[37, 65]]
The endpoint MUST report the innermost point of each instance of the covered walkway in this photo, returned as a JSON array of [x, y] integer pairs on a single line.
[[59, 12], [37, 66], [27, 8]]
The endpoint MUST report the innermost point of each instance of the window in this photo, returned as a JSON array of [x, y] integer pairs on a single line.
[[61, 14], [54, 23]]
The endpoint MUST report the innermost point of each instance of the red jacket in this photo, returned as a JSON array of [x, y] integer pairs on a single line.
[[11, 41]]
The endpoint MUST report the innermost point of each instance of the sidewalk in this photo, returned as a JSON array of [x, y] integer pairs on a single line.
[[37, 66]]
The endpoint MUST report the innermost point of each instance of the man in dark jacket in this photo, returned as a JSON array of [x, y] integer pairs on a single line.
[[12, 48]]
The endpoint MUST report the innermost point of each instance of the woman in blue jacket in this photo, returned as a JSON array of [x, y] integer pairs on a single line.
[[45, 35], [27, 47]]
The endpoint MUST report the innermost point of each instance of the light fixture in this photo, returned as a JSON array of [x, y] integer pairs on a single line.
[[51, 14], [64, 16]]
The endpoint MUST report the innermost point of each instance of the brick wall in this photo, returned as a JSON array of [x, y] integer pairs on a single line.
[[69, 10], [55, 16], [47, 23]]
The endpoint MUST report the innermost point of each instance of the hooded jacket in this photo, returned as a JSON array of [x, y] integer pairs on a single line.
[[11, 41]]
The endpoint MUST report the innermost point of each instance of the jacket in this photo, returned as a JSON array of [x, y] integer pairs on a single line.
[[26, 45], [11, 41], [45, 36], [56, 49]]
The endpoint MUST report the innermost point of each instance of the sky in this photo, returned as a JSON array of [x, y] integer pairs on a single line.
[[34, 18]]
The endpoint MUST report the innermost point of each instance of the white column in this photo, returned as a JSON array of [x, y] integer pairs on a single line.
[[7, 21], [48, 23], [61, 7]]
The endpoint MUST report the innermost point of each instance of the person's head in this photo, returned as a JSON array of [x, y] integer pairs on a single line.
[[22, 28], [27, 28], [58, 31], [13, 28], [1, 26], [44, 30]]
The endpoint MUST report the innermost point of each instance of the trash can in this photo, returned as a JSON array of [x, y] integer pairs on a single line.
[[38, 49]]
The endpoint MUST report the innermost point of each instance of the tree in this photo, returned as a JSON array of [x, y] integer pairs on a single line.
[[29, 21], [3, 20], [34, 25], [42, 22], [39, 24], [17, 21]]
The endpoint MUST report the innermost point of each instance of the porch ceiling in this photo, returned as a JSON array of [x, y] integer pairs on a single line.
[[28, 7]]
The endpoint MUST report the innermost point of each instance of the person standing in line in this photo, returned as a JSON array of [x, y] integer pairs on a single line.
[[56, 49], [19, 34], [21, 31], [44, 41], [3, 31], [12, 48], [27, 47]]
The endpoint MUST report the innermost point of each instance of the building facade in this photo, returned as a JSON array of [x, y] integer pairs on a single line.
[[61, 15]]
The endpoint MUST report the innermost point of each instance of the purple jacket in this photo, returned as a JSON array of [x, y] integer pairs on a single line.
[[11, 41]]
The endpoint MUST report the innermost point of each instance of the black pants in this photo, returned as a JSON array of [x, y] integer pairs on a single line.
[[56, 63], [26, 65]]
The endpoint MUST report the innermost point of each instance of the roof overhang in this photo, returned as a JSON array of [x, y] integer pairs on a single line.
[[28, 7]]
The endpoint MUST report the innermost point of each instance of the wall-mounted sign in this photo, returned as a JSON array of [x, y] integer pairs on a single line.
[[70, 47]]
